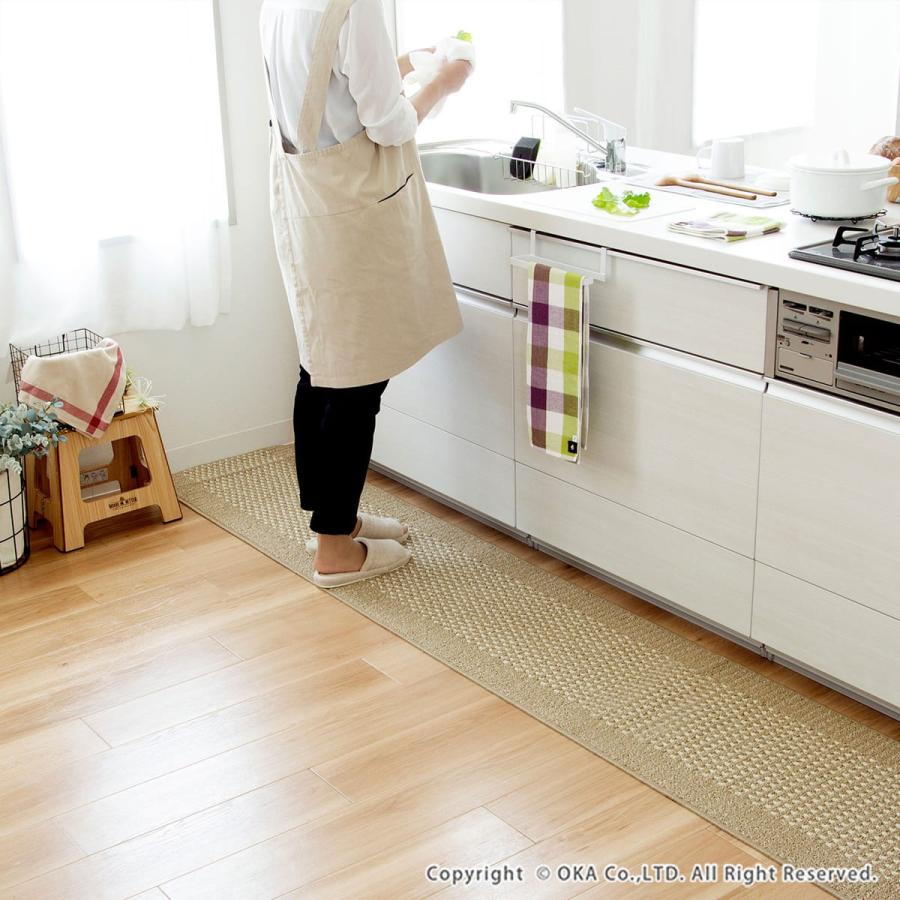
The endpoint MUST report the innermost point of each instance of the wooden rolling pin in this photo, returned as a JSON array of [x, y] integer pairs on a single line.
[[671, 181], [734, 187]]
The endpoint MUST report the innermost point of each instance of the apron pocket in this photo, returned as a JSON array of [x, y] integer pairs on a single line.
[[405, 183]]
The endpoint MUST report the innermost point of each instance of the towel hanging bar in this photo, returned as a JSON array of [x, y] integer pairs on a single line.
[[589, 275]]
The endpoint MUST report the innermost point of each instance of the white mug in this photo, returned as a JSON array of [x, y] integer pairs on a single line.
[[725, 155]]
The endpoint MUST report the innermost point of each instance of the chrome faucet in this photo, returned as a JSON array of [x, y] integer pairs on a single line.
[[609, 153]]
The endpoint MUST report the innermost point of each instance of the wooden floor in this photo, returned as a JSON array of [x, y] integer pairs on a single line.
[[182, 717]]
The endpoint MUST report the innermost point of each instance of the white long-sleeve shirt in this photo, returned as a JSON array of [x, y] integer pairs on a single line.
[[365, 91]]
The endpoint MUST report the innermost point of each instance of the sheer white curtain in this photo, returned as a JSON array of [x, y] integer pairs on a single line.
[[113, 199]]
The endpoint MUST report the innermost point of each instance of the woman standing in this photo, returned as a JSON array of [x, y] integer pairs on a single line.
[[359, 250]]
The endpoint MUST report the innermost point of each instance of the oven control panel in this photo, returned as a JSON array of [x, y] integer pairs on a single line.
[[806, 339]]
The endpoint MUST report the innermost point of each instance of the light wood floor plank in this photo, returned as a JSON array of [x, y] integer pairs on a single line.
[[272, 733], [42, 749], [145, 862], [567, 797], [439, 745], [682, 850], [475, 839], [18, 614], [322, 644], [635, 828], [304, 855], [193, 788], [403, 662], [30, 852], [82, 690]]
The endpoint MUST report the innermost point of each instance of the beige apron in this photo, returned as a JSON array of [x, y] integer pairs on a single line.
[[356, 239]]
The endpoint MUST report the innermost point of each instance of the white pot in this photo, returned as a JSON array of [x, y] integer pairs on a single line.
[[839, 186], [12, 518]]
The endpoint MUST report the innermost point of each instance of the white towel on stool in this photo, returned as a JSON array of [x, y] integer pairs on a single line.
[[90, 384]]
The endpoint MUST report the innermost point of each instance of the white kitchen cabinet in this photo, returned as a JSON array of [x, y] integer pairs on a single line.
[[465, 386], [702, 313], [841, 639], [829, 504], [477, 252], [442, 462], [676, 566], [669, 436]]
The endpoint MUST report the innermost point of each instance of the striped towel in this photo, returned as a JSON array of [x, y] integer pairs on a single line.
[[90, 384], [557, 370]]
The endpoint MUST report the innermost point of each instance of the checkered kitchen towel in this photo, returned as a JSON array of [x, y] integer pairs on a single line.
[[557, 372]]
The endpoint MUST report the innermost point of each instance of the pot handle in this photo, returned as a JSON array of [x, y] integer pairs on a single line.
[[879, 182]]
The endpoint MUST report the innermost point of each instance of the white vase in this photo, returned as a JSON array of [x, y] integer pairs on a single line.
[[12, 518]]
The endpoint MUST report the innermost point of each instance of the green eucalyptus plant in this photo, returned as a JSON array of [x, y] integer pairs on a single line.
[[25, 430]]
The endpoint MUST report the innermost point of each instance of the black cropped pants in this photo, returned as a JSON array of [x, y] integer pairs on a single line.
[[333, 433]]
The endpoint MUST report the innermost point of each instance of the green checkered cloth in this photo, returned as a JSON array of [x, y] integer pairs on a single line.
[[557, 371]]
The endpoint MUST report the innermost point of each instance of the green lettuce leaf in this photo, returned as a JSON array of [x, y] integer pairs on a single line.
[[611, 203], [636, 201]]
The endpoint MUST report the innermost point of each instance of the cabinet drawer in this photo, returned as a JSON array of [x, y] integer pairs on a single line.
[[465, 386], [675, 566], [477, 478], [829, 503], [477, 252], [669, 436], [839, 638], [702, 313]]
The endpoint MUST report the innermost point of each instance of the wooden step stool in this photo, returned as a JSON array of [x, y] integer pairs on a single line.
[[139, 464]]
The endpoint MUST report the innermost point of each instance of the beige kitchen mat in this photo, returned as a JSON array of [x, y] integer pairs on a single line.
[[798, 781]]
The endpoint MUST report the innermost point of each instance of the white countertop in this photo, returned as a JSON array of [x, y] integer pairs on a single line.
[[763, 259]]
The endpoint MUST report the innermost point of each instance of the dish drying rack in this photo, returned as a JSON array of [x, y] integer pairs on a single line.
[[523, 170]]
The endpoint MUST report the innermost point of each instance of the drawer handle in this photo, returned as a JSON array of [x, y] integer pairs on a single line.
[[686, 270]]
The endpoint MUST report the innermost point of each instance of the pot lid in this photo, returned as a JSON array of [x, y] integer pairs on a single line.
[[840, 162]]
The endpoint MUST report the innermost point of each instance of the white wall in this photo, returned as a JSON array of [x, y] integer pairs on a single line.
[[229, 387]]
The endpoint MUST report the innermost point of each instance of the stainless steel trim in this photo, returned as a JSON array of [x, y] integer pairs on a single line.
[[677, 359], [687, 270], [841, 407], [480, 298]]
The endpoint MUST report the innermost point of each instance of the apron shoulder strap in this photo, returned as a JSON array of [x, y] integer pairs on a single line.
[[313, 110]]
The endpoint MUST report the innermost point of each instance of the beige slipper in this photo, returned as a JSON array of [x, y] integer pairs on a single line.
[[379, 528], [382, 556]]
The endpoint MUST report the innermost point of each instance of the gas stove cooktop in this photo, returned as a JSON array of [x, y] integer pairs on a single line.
[[871, 251]]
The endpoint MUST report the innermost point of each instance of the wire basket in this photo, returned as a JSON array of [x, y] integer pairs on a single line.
[[515, 169], [15, 541], [69, 342]]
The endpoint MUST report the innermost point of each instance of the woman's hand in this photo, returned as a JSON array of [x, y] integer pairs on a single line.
[[405, 65], [449, 79], [453, 75]]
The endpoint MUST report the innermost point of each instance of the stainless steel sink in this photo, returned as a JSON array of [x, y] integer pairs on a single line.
[[486, 167], [481, 171]]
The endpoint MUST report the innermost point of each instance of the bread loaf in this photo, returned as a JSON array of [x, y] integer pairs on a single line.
[[888, 147], [894, 189]]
